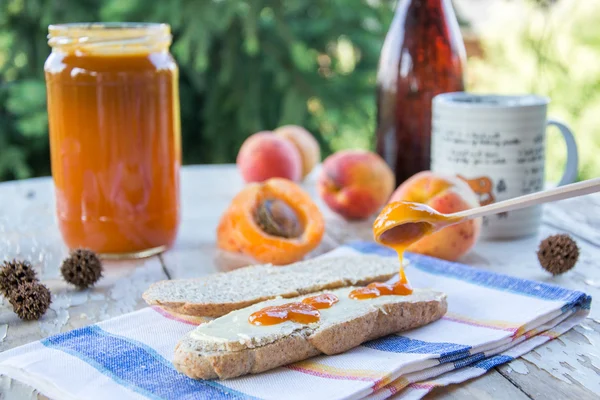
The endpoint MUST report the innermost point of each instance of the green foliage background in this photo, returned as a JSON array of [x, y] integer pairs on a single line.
[[553, 50], [250, 65], [246, 66]]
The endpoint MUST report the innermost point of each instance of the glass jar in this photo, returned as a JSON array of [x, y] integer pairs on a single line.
[[115, 141]]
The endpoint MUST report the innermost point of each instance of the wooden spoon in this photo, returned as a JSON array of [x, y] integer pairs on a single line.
[[419, 220]]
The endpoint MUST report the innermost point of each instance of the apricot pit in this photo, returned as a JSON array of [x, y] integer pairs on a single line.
[[277, 218]]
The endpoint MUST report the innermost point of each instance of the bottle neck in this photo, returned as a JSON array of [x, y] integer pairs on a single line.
[[419, 13], [425, 3]]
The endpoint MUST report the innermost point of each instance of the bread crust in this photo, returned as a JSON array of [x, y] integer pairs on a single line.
[[301, 345], [160, 293], [215, 310]]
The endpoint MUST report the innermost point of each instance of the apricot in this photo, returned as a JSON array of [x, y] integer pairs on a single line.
[[355, 183], [272, 222], [446, 194], [265, 155], [307, 145]]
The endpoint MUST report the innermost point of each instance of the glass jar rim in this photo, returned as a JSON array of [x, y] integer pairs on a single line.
[[91, 26], [95, 34]]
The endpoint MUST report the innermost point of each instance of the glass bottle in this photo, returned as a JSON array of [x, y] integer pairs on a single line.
[[113, 108], [423, 55]]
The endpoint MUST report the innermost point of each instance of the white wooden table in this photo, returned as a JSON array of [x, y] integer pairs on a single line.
[[568, 367]]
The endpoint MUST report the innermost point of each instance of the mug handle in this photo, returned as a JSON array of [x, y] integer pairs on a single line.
[[571, 167]]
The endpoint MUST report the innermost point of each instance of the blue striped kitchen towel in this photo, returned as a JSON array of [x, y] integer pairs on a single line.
[[491, 319]]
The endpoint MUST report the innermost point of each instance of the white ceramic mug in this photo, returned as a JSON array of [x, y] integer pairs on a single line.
[[498, 145]]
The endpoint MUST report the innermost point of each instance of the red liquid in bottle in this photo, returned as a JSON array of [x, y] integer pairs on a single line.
[[423, 55]]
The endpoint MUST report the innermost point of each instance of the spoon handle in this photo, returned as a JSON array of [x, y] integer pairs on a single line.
[[532, 199]]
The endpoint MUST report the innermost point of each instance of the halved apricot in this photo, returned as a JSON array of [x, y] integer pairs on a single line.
[[273, 222]]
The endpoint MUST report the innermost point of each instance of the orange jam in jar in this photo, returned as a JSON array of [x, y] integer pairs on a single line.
[[113, 108]]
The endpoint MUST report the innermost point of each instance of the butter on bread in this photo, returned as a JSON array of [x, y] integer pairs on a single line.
[[230, 346], [218, 294]]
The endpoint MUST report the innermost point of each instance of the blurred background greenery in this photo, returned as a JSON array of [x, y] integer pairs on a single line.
[[250, 65]]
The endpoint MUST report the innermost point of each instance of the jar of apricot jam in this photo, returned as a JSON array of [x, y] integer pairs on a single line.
[[113, 108]]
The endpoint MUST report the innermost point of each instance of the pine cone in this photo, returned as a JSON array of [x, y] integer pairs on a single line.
[[30, 300], [558, 254], [15, 273], [82, 268]]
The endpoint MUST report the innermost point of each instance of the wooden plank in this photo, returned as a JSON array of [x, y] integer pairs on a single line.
[[205, 195], [540, 385], [11, 389], [27, 230], [579, 216], [492, 386], [567, 367]]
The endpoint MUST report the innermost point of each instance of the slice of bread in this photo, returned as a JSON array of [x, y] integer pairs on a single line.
[[230, 346], [218, 294]]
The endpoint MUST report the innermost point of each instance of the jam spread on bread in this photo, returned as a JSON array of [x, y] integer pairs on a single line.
[[324, 300], [377, 289], [304, 312]]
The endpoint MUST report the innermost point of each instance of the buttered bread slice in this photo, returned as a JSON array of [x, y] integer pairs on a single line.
[[231, 346], [218, 294]]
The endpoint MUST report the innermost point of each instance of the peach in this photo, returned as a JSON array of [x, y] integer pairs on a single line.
[[446, 194], [265, 155], [307, 145], [355, 183]]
